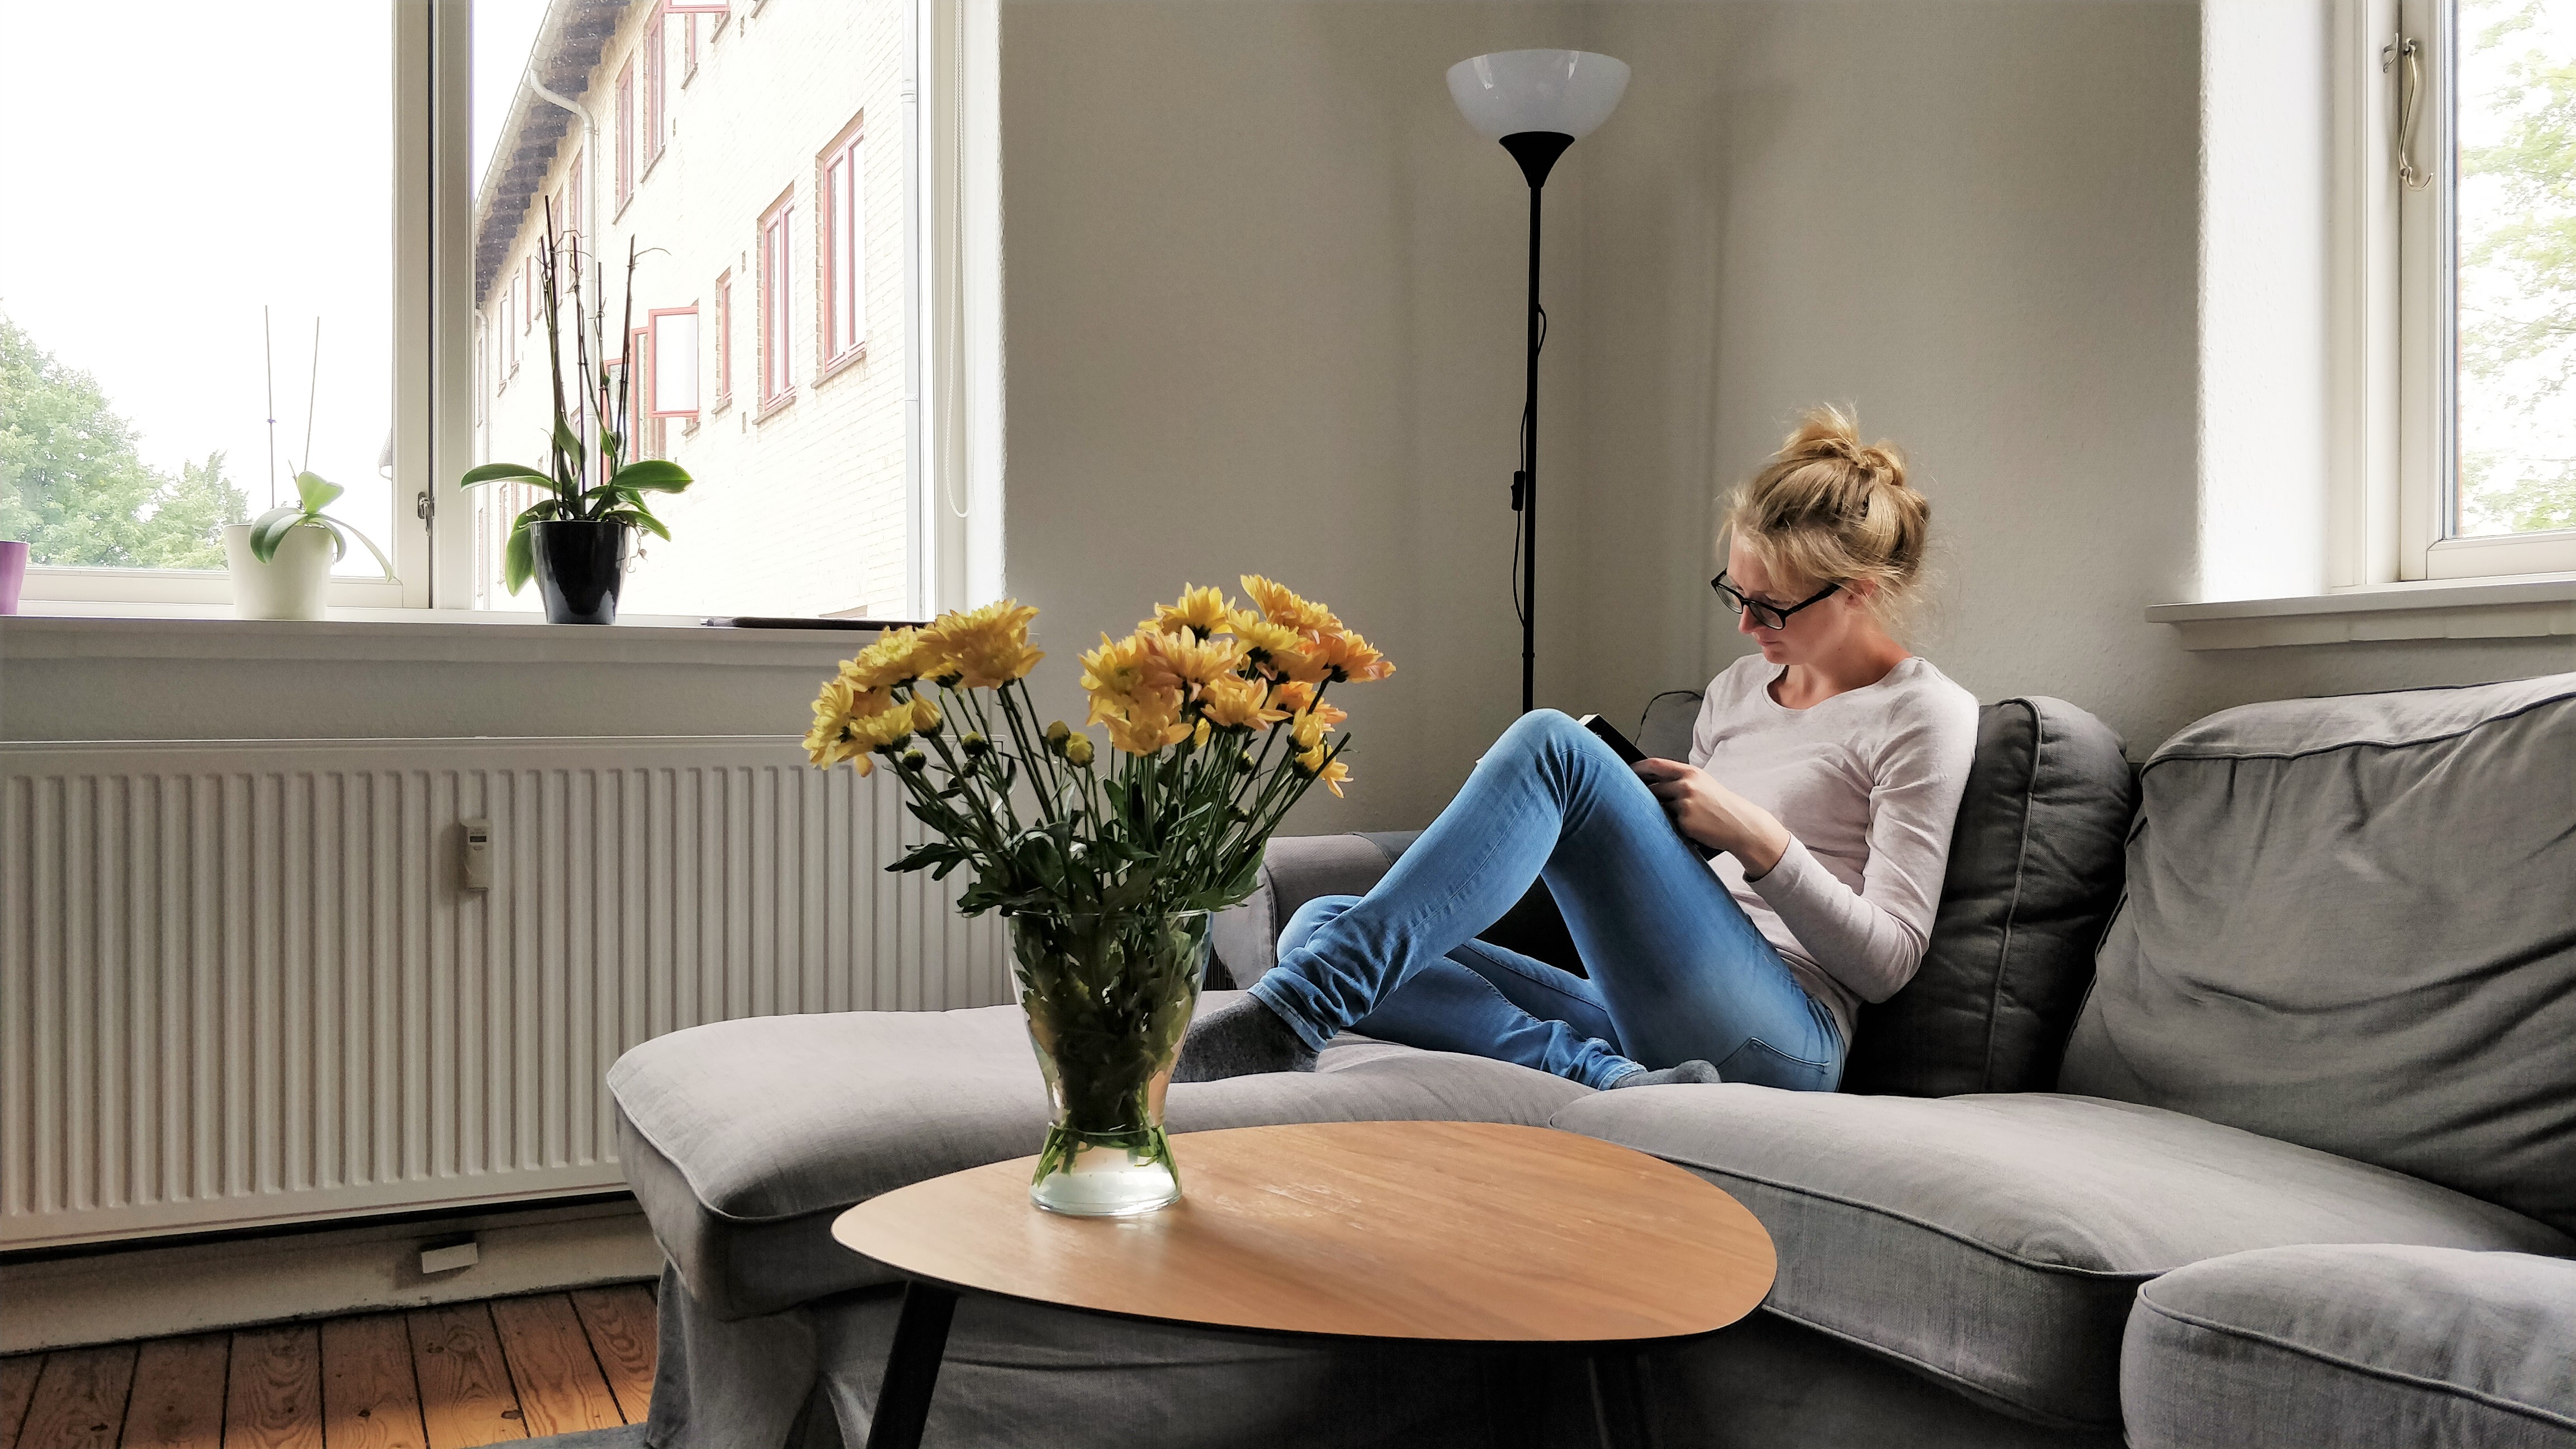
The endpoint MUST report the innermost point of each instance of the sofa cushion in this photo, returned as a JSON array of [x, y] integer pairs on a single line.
[[1995, 1241], [744, 1139], [2348, 925], [2356, 1346], [2033, 876]]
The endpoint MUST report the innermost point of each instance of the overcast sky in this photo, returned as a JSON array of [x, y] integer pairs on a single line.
[[171, 167]]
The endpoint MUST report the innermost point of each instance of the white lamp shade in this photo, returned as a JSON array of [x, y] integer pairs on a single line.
[[1511, 91]]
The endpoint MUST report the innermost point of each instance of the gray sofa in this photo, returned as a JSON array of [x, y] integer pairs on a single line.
[[2235, 1104]]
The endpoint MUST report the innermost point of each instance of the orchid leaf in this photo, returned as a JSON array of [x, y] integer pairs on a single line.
[[270, 531], [637, 518], [654, 475], [502, 472], [316, 491], [519, 560]]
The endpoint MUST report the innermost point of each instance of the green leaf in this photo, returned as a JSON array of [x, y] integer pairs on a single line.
[[499, 472], [656, 475], [538, 512], [637, 518], [519, 560], [317, 491], [270, 531], [569, 441]]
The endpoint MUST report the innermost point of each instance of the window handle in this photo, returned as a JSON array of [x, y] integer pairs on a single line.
[[2410, 107]]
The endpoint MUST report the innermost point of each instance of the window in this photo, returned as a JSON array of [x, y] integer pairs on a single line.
[[777, 298], [625, 133], [844, 301], [140, 455], [655, 100], [183, 425], [672, 351], [2487, 314], [692, 41], [724, 341]]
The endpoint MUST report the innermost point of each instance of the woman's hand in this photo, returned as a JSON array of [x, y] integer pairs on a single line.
[[1716, 816]]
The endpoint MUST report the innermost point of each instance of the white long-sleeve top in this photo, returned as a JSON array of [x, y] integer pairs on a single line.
[[1868, 785]]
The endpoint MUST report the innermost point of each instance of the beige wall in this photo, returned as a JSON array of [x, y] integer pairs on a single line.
[[1263, 312]]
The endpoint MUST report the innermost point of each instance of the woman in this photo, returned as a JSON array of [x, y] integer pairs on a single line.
[[1824, 772]]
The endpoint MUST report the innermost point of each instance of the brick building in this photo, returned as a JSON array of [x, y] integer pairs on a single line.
[[755, 156]]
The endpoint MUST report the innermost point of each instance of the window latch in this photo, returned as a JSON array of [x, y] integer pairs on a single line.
[[421, 507], [2410, 105]]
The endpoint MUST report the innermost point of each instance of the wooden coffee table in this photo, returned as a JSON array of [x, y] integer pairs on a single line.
[[1454, 1232]]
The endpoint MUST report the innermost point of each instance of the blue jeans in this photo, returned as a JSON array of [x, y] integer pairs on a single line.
[[1677, 970]]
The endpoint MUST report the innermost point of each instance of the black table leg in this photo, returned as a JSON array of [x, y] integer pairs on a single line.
[[1619, 1411], [912, 1367]]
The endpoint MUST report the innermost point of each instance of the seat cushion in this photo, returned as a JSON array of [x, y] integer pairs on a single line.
[[2033, 876], [1996, 1241], [744, 1139], [2348, 925], [2354, 1346]]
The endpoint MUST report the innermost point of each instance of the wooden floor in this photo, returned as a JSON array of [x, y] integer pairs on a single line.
[[429, 1378]]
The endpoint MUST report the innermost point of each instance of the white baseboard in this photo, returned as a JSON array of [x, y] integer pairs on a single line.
[[152, 1292]]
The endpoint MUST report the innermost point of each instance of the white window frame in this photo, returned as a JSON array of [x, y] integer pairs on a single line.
[[2393, 518]]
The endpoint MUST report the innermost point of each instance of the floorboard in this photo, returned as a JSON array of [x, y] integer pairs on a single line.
[[551, 1362], [17, 1386], [466, 1398], [178, 1400], [79, 1401], [455, 1376], [273, 1399], [621, 1324], [370, 1399]]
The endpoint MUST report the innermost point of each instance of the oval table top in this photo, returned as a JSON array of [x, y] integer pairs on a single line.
[[1459, 1231]]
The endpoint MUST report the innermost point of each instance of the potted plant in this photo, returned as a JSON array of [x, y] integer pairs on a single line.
[[1107, 867], [280, 560], [575, 542]]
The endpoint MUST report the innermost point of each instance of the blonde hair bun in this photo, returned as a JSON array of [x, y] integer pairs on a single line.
[[1830, 509]]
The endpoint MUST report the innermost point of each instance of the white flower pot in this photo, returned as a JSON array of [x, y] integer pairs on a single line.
[[289, 585]]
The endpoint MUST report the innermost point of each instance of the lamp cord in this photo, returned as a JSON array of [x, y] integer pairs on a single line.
[[1520, 607]]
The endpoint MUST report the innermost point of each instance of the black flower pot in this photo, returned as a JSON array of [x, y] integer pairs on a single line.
[[579, 568]]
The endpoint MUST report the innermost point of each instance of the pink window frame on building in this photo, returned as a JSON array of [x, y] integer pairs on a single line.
[[724, 339], [656, 98], [625, 132], [777, 311], [841, 203]]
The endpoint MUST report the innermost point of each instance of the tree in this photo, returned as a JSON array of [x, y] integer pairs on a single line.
[[2525, 352], [75, 488]]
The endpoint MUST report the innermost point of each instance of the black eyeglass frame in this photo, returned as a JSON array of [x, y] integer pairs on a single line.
[[1769, 616]]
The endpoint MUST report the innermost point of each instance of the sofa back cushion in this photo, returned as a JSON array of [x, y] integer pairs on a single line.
[[2034, 874], [2351, 924]]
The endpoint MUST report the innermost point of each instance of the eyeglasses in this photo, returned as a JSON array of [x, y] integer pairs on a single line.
[[1769, 616]]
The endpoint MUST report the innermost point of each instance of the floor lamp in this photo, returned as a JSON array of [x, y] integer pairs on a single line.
[[1536, 103]]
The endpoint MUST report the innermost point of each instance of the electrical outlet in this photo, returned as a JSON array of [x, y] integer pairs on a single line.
[[478, 855]]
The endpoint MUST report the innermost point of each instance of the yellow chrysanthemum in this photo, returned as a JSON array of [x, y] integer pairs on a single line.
[[1280, 605], [1199, 736], [1206, 610], [1306, 731], [1235, 702], [1281, 648], [1292, 696], [1345, 655], [1195, 659], [1330, 713], [1144, 726], [1123, 671], [987, 647], [899, 656], [1326, 768], [852, 723]]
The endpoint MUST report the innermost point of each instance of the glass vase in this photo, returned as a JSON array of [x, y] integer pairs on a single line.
[[1108, 998]]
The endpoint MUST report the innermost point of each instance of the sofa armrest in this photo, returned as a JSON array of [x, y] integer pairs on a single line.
[[1294, 870]]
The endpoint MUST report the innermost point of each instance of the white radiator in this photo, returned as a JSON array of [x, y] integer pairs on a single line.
[[242, 983]]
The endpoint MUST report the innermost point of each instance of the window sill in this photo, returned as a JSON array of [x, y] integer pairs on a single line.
[[832, 367], [773, 408], [2517, 607], [59, 630]]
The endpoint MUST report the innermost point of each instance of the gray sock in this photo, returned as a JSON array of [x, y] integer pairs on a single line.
[[1691, 1073], [1239, 1039]]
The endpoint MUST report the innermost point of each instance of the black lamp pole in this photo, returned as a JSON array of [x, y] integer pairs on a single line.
[[1537, 152]]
